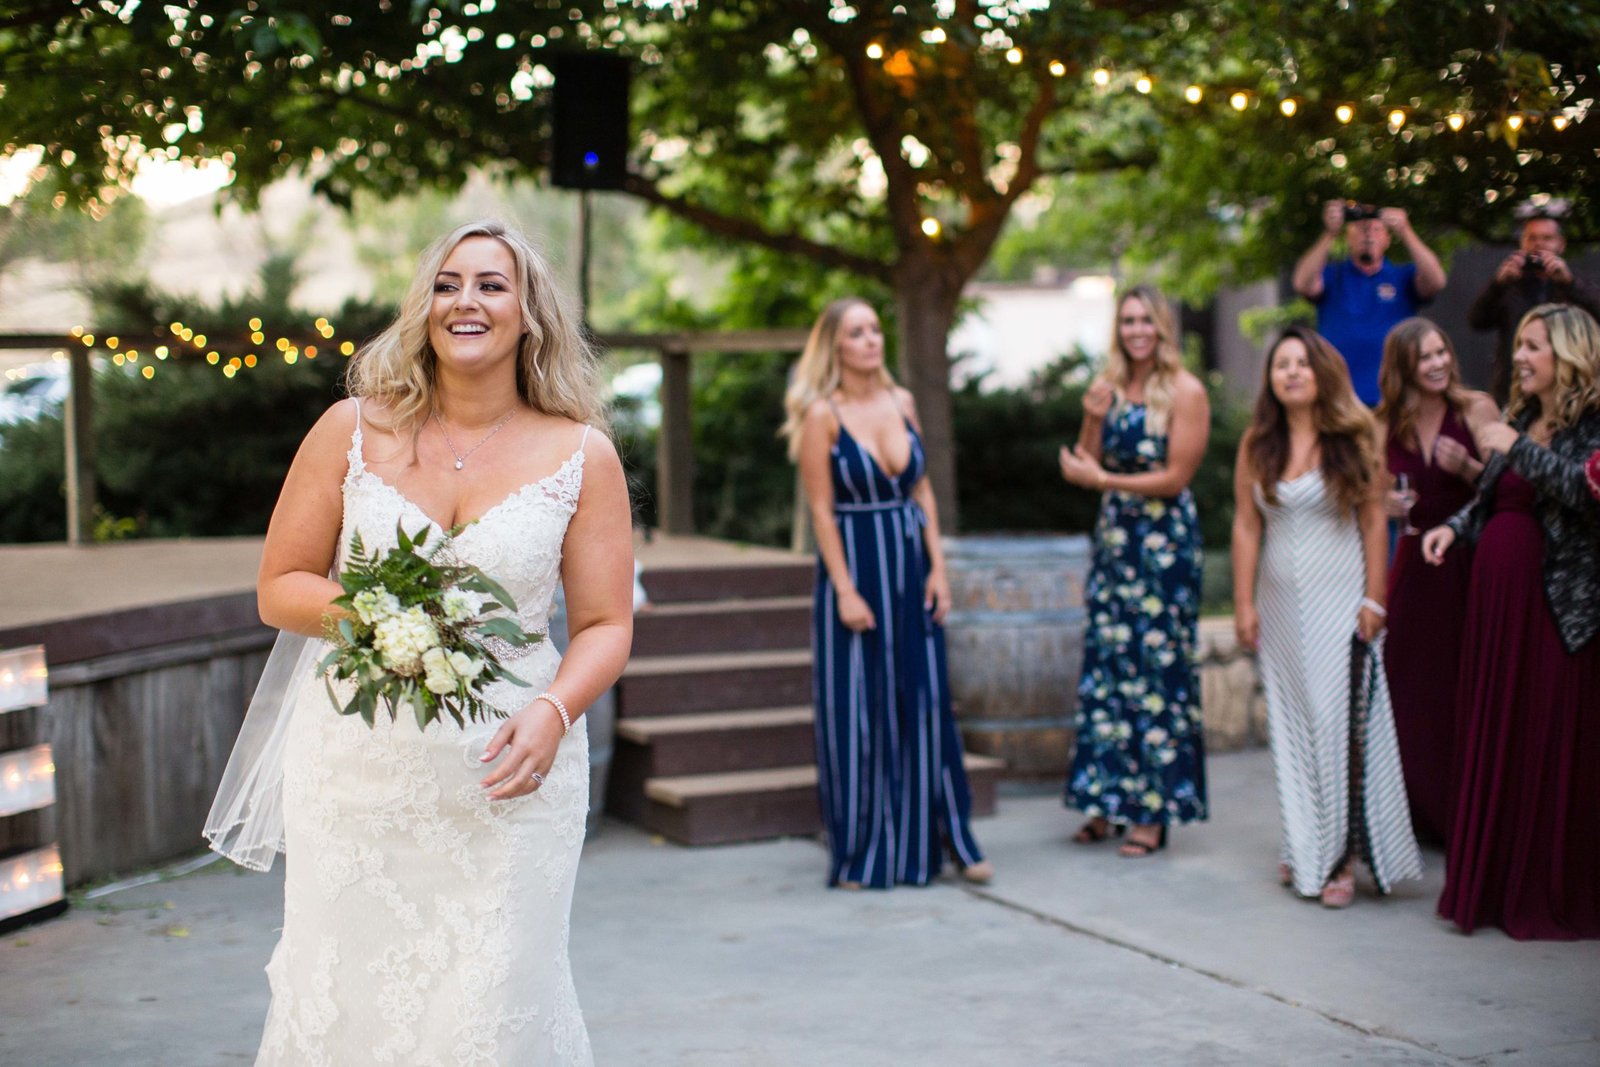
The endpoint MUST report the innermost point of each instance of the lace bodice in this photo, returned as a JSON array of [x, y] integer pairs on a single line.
[[527, 562]]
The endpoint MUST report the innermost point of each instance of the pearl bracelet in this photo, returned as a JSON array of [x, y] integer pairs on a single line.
[[1373, 606], [561, 709]]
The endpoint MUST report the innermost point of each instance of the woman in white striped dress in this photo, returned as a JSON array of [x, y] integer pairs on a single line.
[[1309, 552]]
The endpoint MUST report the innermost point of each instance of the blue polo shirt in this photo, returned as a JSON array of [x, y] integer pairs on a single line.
[[1357, 311]]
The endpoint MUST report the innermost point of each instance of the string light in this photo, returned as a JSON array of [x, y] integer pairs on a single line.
[[1559, 122], [1344, 113], [1288, 107], [1514, 122], [1144, 84], [1239, 101], [1455, 121], [1193, 94], [1397, 119], [1058, 68], [1014, 56], [1101, 77], [930, 227], [874, 50]]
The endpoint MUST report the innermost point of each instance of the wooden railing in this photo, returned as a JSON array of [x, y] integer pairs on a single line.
[[675, 443]]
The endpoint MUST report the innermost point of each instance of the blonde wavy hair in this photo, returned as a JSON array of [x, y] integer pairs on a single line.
[[557, 370], [1163, 380], [1575, 340], [816, 374]]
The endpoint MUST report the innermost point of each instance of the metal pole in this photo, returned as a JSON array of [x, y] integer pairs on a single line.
[[80, 451], [583, 255], [675, 446]]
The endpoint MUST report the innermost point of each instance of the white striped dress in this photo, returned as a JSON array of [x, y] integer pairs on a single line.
[[1311, 580]]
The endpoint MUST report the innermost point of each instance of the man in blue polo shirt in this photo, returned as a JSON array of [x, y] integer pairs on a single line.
[[1359, 298]]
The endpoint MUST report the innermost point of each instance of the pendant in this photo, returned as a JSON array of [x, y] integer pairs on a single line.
[[460, 463]]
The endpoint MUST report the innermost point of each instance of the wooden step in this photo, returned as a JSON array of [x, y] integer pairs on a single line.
[[667, 746], [726, 581], [677, 685], [732, 625], [709, 809]]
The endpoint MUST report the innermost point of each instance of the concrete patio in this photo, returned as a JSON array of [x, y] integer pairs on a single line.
[[738, 956]]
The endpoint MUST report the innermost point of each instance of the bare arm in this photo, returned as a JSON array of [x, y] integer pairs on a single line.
[[1246, 552], [1097, 401], [597, 577], [1308, 268], [817, 434], [937, 594], [1430, 277], [1374, 527], [1188, 429], [293, 590]]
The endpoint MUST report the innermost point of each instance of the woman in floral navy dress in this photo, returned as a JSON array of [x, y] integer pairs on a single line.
[[1139, 766]]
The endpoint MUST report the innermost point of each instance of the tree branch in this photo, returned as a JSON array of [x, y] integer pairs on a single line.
[[745, 230], [43, 13]]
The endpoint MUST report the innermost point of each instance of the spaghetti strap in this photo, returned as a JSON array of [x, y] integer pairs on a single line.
[[585, 438], [356, 459]]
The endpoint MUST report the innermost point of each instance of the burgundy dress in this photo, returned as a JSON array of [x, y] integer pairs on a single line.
[[1427, 606], [1524, 851]]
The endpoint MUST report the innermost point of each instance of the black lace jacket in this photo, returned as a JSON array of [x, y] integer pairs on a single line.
[[1566, 509]]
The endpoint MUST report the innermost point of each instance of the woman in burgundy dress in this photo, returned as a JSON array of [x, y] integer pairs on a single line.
[[1524, 851], [1423, 424]]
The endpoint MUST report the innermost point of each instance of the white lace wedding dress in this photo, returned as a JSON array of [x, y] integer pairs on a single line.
[[423, 923]]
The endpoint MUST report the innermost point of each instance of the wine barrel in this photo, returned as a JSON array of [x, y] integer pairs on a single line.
[[1015, 642]]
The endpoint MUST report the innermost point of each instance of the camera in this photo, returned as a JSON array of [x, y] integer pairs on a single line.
[[1533, 264], [1357, 212]]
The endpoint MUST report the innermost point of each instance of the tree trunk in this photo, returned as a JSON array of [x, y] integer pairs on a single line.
[[925, 303]]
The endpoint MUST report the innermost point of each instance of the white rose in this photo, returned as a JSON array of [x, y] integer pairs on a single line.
[[465, 666], [441, 676], [460, 604]]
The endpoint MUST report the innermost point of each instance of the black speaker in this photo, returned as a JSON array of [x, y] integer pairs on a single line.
[[589, 121]]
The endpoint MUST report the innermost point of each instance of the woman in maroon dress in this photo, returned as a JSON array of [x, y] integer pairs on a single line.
[[1524, 850], [1423, 424]]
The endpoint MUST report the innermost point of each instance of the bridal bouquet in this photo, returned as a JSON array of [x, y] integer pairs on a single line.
[[420, 632]]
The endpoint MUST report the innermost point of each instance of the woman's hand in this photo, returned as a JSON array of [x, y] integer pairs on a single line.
[[1079, 468], [1247, 626], [1097, 399], [936, 596], [1452, 456], [1436, 542], [529, 740], [1396, 505], [1496, 437], [1368, 623], [853, 611]]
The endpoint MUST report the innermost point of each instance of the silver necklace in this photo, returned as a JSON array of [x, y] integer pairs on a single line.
[[461, 458]]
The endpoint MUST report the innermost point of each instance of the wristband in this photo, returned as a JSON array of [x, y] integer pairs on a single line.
[[1376, 608], [561, 709]]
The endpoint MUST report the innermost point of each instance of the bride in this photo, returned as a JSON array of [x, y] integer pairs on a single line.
[[430, 873]]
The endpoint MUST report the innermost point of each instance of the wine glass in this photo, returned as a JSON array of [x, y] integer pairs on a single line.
[[1406, 494]]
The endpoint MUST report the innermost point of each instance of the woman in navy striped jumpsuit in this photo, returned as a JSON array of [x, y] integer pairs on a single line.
[[889, 774]]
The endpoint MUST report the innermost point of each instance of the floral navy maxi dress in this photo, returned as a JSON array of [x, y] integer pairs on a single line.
[[1140, 757], [889, 772]]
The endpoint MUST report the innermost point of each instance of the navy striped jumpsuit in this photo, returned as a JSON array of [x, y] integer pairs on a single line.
[[890, 779]]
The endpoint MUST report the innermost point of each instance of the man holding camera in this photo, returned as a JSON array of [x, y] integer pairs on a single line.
[[1359, 298], [1532, 275]]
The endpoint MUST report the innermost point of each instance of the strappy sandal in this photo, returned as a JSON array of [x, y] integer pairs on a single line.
[[1097, 830], [1340, 892], [1135, 849]]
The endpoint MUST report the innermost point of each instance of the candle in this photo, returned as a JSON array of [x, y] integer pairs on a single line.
[[23, 678], [30, 881], [27, 779]]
